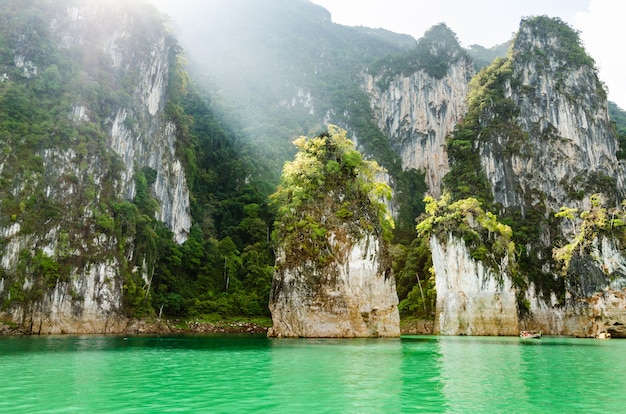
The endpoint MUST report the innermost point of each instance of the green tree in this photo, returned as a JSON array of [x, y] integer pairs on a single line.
[[328, 185], [232, 260]]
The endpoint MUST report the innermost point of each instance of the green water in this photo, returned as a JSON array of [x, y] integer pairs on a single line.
[[242, 374]]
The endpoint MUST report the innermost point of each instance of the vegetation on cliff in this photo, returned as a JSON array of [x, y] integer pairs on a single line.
[[329, 189], [487, 239], [595, 222], [434, 53]]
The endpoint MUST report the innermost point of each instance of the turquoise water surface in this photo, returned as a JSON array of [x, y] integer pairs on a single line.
[[245, 374]]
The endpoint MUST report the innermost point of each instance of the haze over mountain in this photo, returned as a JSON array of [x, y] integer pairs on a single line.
[[488, 23], [485, 23]]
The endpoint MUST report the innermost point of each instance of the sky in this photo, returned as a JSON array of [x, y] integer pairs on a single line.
[[601, 23]]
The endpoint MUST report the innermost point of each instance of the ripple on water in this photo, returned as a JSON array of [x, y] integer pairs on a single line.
[[254, 374]]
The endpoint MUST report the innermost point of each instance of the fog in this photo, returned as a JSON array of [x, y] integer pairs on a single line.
[[483, 22]]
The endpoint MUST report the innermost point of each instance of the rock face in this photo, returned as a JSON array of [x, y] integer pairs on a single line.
[[566, 143], [353, 297], [567, 149], [472, 299], [596, 290], [333, 274], [544, 140], [68, 273], [139, 132], [418, 110]]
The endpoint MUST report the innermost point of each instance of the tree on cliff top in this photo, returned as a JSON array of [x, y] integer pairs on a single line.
[[488, 239], [328, 186]]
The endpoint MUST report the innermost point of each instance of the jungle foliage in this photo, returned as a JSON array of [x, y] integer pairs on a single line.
[[487, 239], [329, 189], [595, 222], [483, 56], [225, 266]]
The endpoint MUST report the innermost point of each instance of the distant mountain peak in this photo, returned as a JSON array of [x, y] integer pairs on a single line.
[[544, 39], [440, 33]]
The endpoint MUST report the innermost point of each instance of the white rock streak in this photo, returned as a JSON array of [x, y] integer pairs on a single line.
[[417, 112], [353, 297]]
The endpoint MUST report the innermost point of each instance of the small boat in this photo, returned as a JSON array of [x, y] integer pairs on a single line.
[[603, 335], [530, 334]]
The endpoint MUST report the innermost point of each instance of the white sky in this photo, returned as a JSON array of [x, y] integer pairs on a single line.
[[602, 24]]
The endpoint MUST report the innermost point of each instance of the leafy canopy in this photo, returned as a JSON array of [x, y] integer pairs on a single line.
[[328, 185], [487, 238], [595, 222]]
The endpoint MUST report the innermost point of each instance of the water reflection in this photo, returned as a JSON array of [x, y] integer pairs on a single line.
[[565, 379], [482, 374], [421, 375], [348, 375], [253, 374]]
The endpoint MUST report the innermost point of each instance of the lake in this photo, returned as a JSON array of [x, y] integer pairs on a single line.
[[241, 374]]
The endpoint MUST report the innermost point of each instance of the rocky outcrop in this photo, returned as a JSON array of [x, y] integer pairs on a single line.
[[139, 132], [418, 110], [355, 296], [472, 298], [596, 287], [564, 150], [90, 304], [565, 146], [538, 123], [89, 298], [333, 275]]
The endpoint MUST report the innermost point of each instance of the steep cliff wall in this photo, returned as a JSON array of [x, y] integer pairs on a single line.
[[472, 299], [566, 146], [417, 112], [595, 298], [537, 137], [353, 297], [474, 265], [135, 42], [417, 107], [564, 150], [96, 74]]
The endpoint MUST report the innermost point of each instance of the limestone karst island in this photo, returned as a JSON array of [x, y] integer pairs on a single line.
[[284, 174]]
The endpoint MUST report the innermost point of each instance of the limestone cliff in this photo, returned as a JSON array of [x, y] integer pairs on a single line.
[[333, 273], [566, 147], [474, 265], [472, 298], [96, 74], [355, 296], [139, 132], [419, 106], [537, 137]]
